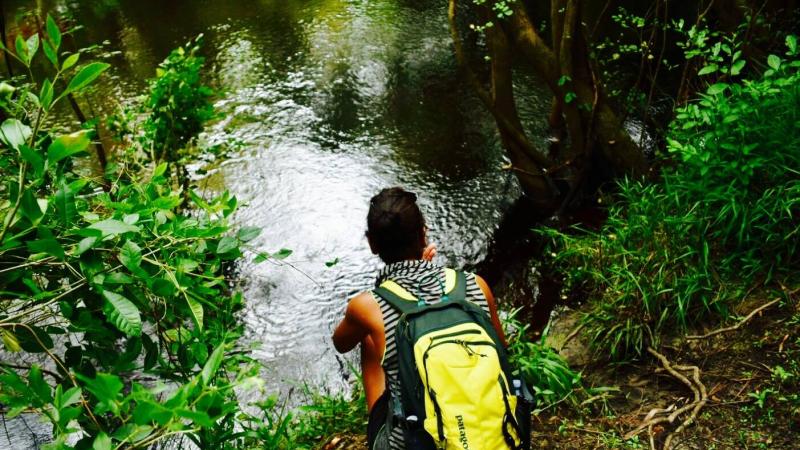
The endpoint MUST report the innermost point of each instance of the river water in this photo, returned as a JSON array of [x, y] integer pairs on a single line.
[[323, 103]]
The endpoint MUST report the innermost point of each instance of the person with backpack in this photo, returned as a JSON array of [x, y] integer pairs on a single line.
[[433, 358]]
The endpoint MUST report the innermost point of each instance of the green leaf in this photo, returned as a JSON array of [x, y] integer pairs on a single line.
[[22, 50], [85, 76], [33, 46], [261, 257], [737, 67], [65, 205], [247, 234], [106, 388], [33, 339], [29, 207], [49, 245], [197, 311], [147, 412], [160, 170], [70, 61], [717, 88], [113, 227], [50, 53], [199, 418], [38, 385], [84, 245], [791, 43], [10, 341], [711, 68], [67, 145], [227, 244], [332, 263], [122, 313], [46, 94], [14, 133], [102, 442], [117, 278], [774, 62], [212, 364], [53, 32], [130, 256], [34, 159], [72, 396], [282, 253]]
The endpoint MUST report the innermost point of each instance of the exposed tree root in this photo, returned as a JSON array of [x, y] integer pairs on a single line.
[[738, 325], [668, 415]]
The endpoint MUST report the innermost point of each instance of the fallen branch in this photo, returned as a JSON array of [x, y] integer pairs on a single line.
[[738, 325]]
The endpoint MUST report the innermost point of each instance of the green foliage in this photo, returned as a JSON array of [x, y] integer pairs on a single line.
[[723, 218], [544, 370], [175, 109], [113, 286]]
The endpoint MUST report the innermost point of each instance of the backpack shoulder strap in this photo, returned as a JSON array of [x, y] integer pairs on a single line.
[[397, 297], [455, 284], [455, 288]]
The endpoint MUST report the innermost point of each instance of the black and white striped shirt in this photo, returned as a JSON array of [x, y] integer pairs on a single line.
[[425, 281]]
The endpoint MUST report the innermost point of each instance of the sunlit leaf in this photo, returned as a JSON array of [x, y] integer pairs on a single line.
[[14, 133], [122, 313], [247, 234], [22, 50], [102, 442], [67, 145], [774, 62], [85, 76], [227, 244], [10, 341], [33, 46], [197, 311], [106, 388], [113, 227], [70, 61], [130, 256]]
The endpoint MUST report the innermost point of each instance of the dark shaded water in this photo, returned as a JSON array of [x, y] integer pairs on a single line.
[[325, 102]]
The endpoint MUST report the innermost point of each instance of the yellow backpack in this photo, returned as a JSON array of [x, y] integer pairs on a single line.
[[457, 389]]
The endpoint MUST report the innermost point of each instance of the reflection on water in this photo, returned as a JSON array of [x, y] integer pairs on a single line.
[[327, 102]]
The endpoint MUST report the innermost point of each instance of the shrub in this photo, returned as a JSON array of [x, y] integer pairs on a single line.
[[112, 287], [723, 217]]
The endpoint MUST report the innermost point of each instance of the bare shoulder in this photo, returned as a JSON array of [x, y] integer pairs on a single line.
[[363, 306]]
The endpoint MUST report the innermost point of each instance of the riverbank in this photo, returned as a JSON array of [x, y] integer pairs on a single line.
[[750, 376]]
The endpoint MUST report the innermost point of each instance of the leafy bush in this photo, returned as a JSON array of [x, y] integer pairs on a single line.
[[724, 217], [111, 287]]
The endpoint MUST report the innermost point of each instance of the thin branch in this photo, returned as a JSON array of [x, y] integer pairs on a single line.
[[738, 325]]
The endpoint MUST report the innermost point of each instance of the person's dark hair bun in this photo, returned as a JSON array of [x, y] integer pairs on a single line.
[[395, 225]]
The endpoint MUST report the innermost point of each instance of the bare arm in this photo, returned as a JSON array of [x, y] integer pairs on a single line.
[[362, 318], [492, 308]]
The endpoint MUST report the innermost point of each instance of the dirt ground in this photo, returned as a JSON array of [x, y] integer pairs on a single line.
[[749, 378]]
